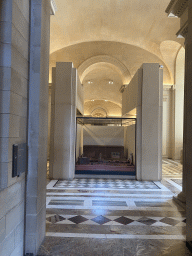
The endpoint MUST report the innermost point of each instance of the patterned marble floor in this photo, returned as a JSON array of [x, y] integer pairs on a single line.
[[108, 217]]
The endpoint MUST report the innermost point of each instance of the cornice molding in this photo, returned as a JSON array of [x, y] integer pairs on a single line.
[[183, 31], [176, 8]]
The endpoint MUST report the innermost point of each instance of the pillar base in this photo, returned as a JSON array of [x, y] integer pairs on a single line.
[[180, 199]]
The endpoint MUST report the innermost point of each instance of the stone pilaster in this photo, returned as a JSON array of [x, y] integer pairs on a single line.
[[37, 125], [52, 129]]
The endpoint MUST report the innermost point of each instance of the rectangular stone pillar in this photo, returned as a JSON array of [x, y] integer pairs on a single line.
[[81, 142], [65, 125], [51, 156], [151, 143], [37, 125]]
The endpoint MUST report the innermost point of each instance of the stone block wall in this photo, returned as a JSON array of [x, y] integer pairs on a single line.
[[14, 49]]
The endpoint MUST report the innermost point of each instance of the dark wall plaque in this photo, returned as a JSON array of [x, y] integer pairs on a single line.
[[19, 159]]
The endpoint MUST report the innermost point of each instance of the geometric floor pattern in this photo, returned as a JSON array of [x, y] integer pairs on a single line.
[[117, 217], [106, 183], [116, 220]]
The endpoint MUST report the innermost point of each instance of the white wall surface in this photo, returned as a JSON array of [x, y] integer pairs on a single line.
[[103, 135]]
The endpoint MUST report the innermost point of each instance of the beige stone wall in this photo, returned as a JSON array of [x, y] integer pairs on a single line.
[[14, 47], [131, 98], [143, 99], [167, 132]]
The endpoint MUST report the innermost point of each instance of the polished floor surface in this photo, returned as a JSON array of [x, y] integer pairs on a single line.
[[116, 217]]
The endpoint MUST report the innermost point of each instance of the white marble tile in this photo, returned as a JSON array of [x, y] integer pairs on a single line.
[[51, 184], [117, 236], [89, 222], [160, 224], [174, 184]]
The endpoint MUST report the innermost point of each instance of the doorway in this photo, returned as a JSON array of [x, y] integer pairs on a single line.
[[105, 147]]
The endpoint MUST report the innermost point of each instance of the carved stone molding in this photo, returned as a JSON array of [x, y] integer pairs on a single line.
[[183, 30], [176, 8]]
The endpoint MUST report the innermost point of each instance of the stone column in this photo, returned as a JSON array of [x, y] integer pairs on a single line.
[[49, 122], [51, 154], [178, 138], [79, 141], [125, 142], [151, 127], [37, 125], [81, 144], [65, 125], [165, 132]]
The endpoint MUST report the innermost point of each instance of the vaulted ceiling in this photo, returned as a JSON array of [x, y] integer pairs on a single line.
[[108, 40]]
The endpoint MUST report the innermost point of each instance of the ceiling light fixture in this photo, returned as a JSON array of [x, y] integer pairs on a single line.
[[110, 82], [90, 82]]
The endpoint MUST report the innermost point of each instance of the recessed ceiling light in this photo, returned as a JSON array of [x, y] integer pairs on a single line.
[[110, 82], [90, 82]]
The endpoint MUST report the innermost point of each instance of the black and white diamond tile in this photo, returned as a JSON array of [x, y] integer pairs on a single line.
[[123, 220], [106, 184], [101, 220], [170, 221], [55, 218], [78, 219], [116, 220], [147, 221]]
